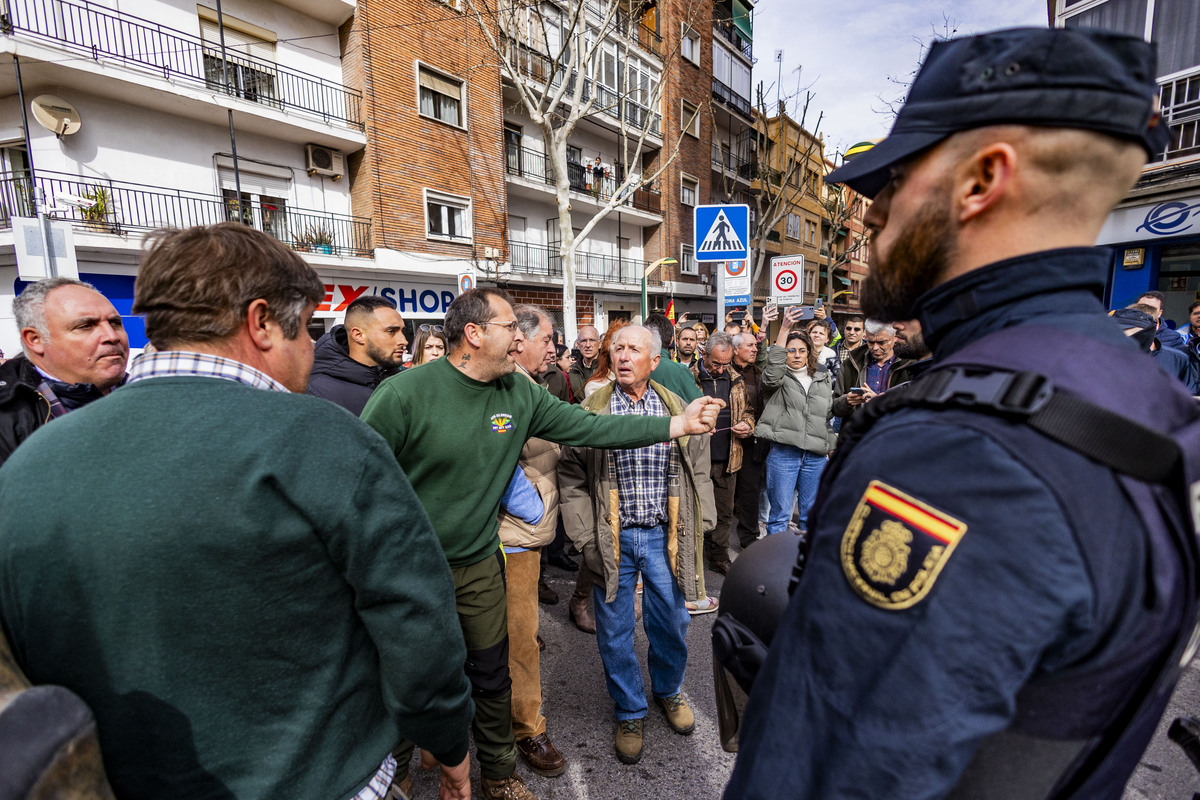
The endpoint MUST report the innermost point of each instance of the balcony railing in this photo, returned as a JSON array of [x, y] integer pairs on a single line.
[[105, 35], [725, 160], [534, 259], [626, 25], [121, 207], [608, 101], [1180, 101], [732, 99], [536, 166], [729, 32]]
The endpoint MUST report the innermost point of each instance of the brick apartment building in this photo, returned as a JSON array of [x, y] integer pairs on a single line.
[[456, 173]]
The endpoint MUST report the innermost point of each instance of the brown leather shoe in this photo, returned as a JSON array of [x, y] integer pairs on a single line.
[[581, 614], [720, 566], [542, 756], [400, 790], [546, 595], [510, 788]]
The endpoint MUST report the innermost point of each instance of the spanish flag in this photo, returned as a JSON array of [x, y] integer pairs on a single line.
[[671, 311]]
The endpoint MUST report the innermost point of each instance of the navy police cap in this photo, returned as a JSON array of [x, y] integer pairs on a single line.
[[1062, 78]]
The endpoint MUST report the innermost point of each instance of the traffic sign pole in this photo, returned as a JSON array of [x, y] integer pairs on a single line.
[[720, 296]]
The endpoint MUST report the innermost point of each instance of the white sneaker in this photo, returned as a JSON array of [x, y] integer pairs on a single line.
[[705, 605]]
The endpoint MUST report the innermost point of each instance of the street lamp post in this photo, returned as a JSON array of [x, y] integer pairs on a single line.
[[645, 276]]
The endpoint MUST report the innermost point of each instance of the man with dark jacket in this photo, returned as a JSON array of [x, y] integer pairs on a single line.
[[716, 377], [581, 371], [869, 371], [754, 450], [75, 348], [352, 359]]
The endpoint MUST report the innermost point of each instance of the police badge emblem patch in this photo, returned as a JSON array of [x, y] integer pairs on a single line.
[[895, 546]]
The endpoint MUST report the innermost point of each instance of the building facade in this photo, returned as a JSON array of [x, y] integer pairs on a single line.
[[131, 123], [384, 140], [1155, 231]]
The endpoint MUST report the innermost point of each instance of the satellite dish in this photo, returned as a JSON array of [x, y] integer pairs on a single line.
[[55, 115]]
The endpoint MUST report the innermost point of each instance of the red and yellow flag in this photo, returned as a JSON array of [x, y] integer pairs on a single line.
[[671, 311]]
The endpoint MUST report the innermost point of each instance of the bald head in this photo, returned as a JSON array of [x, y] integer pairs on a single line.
[[588, 343]]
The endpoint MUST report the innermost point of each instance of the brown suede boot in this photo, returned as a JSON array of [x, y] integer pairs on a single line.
[[579, 610]]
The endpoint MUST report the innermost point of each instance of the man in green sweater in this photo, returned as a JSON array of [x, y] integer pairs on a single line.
[[457, 426], [238, 580]]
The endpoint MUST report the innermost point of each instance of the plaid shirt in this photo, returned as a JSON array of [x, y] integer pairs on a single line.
[[641, 474], [843, 351], [174, 363]]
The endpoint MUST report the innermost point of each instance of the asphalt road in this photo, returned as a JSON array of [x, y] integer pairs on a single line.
[[582, 725], [1165, 773]]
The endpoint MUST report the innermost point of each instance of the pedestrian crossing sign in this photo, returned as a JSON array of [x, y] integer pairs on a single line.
[[722, 233]]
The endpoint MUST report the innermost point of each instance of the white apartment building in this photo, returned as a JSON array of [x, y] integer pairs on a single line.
[[151, 86]]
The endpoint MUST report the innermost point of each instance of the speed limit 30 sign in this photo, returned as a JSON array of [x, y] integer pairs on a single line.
[[787, 288]]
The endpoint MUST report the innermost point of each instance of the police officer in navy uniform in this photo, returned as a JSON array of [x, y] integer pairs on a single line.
[[982, 606]]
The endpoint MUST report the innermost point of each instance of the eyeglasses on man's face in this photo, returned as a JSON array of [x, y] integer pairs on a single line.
[[850, 329], [510, 325], [719, 364], [430, 328]]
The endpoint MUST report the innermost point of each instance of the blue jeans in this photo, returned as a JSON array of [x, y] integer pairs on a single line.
[[664, 618], [790, 472]]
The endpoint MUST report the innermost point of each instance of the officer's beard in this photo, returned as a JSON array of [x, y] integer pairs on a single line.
[[917, 261]]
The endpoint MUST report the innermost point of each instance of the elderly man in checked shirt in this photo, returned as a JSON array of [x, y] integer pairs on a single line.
[[642, 510]]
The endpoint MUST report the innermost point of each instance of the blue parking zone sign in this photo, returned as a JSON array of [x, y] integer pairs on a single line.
[[722, 233]]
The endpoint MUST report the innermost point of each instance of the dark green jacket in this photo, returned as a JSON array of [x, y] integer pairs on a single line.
[[242, 586], [676, 377]]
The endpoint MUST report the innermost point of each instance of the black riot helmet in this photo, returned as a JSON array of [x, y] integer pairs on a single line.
[[753, 600]]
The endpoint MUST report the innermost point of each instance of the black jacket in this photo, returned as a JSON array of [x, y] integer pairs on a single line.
[[338, 377], [22, 409]]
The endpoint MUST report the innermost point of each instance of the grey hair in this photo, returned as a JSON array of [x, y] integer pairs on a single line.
[[719, 340], [530, 318], [875, 327], [740, 339], [655, 337], [29, 307]]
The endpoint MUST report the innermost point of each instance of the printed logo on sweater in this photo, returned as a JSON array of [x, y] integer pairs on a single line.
[[502, 423], [895, 547]]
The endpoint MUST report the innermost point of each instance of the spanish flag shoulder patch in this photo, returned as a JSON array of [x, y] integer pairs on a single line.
[[895, 547]]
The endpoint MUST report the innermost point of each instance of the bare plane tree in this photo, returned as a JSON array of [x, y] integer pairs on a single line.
[[553, 54]]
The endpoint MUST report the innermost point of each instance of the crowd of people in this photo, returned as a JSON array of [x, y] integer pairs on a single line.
[[247, 620], [773, 404]]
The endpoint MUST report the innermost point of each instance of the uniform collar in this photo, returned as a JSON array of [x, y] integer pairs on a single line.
[[1051, 282]]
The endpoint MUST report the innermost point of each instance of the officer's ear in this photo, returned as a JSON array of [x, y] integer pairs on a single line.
[[984, 178]]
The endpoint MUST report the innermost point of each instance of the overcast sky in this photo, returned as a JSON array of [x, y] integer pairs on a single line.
[[848, 50]]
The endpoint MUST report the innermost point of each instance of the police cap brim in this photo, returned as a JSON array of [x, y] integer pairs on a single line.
[[869, 172]]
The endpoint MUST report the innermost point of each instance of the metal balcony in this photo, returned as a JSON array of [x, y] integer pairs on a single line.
[[725, 161], [535, 166], [1180, 101], [122, 207], [729, 32], [139, 44], [732, 99], [608, 101], [534, 259]]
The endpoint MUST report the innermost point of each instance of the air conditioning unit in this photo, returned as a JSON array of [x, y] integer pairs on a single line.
[[324, 161]]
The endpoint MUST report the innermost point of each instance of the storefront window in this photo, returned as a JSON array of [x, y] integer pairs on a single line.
[[1179, 281]]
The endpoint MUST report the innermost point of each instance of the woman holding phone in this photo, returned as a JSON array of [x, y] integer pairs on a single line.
[[796, 423]]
